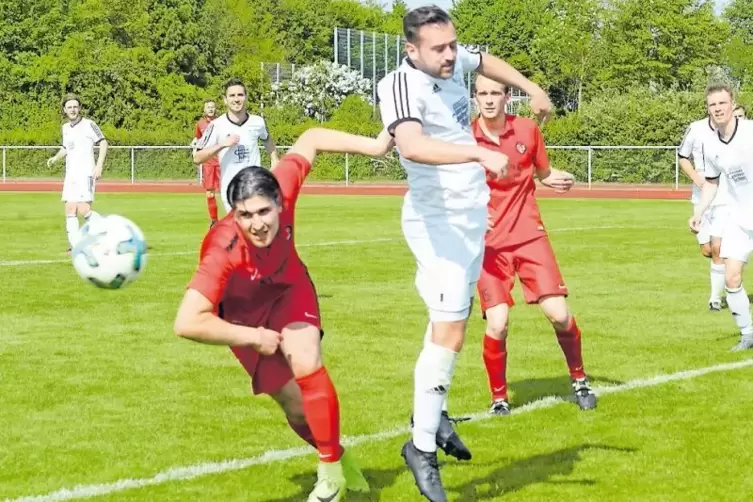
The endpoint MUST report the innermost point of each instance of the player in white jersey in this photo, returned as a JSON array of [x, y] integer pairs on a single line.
[[235, 137], [709, 236], [425, 105], [80, 135], [731, 155], [739, 112]]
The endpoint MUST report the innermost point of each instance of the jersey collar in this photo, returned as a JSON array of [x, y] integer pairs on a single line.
[[719, 133], [481, 133], [248, 116]]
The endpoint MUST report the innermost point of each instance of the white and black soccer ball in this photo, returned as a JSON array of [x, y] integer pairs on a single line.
[[111, 252]]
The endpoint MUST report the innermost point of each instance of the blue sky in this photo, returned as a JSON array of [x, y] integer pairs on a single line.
[[446, 4]]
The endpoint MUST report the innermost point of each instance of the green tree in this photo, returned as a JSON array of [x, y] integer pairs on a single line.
[[739, 15], [661, 43]]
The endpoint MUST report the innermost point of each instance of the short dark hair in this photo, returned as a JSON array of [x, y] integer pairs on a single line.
[[251, 181], [234, 81], [719, 87], [415, 19], [70, 97], [209, 100], [740, 107]]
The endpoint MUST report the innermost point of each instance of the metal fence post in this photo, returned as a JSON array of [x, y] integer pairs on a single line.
[[677, 169], [347, 46], [133, 167], [347, 170], [3, 164], [590, 163], [337, 59]]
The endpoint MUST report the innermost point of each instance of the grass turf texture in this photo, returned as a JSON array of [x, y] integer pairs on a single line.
[[95, 388]]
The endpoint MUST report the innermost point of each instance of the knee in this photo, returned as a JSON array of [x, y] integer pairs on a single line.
[[496, 328], [210, 194], [716, 248], [559, 319], [706, 251], [449, 334], [733, 280]]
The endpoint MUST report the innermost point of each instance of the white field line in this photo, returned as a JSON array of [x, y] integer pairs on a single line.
[[21, 263], [207, 469]]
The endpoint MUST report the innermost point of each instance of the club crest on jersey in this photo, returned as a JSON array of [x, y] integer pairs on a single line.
[[521, 148]]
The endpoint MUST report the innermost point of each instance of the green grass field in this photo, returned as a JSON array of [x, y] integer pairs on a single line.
[[95, 388]]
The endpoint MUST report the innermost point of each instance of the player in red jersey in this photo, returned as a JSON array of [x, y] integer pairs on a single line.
[[210, 170], [253, 293], [517, 243]]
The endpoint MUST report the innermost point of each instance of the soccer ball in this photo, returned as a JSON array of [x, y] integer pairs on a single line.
[[110, 253]]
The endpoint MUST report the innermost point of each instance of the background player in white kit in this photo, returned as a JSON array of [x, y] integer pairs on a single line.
[[731, 155], [235, 136], [694, 144], [80, 135], [425, 105]]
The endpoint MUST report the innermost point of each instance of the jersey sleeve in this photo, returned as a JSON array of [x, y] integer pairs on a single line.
[[197, 133], [263, 131], [212, 275], [469, 60], [209, 138], [95, 133], [399, 101], [290, 172], [686, 145], [710, 170]]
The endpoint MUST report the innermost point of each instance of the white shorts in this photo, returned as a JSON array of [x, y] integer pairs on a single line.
[[78, 189], [714, 220], [737, 243], [449, 252]]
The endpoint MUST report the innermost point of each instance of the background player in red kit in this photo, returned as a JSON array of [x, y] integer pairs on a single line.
[[210, 170], [517, 243], [252, 292]]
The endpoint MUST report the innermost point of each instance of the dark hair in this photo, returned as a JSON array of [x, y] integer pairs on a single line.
[[209, 100], [251, 181], [741, 107], [505, 88], [417, 18], [719, 87], [70, 97], [234, 81]]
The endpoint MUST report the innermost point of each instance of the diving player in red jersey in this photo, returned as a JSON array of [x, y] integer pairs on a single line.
[[517, 243], [253, 293]]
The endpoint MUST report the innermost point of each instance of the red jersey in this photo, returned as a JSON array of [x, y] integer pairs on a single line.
[[512, 204], [234, 272], [201, 126]]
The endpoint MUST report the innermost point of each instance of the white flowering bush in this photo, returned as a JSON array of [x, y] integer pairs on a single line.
[[320, 88]]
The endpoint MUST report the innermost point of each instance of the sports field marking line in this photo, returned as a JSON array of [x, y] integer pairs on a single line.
[[207, 469], [21, 263]]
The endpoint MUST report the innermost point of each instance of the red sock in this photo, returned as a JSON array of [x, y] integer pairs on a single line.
[[569, 340], [212, 206], [495, 359], [304, 432], [322, 412]]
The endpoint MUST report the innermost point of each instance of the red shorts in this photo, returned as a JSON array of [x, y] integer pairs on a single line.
[[532, 261], [210, 175], [296, 303]]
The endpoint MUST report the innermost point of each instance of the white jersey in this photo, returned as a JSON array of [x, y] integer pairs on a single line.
[[695, 143], [79, 140], [443, 108], [733, 159], [245, 154]]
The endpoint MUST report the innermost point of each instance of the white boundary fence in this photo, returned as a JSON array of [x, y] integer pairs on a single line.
[[133, 149]]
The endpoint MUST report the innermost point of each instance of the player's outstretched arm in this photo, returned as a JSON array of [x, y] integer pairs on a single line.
[[317, 140], [498, 70], [196, 321]]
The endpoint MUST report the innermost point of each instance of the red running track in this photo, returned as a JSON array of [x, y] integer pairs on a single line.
[[597, 191]]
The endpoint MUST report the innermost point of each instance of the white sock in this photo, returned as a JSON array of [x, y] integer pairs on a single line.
[[716, 272], [71, 226], [432, 379], [739, 306], [427, 340]]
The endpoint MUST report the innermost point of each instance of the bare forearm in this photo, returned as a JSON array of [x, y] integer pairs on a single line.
[[500, 71], [708, 192], [201, 156], [427, 150], [317, 140], [690, 172], [60, 154], [210, 329], [102, 154]]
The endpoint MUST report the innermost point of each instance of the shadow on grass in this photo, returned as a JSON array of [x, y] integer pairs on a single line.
[[527, 391], [508, 477]]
